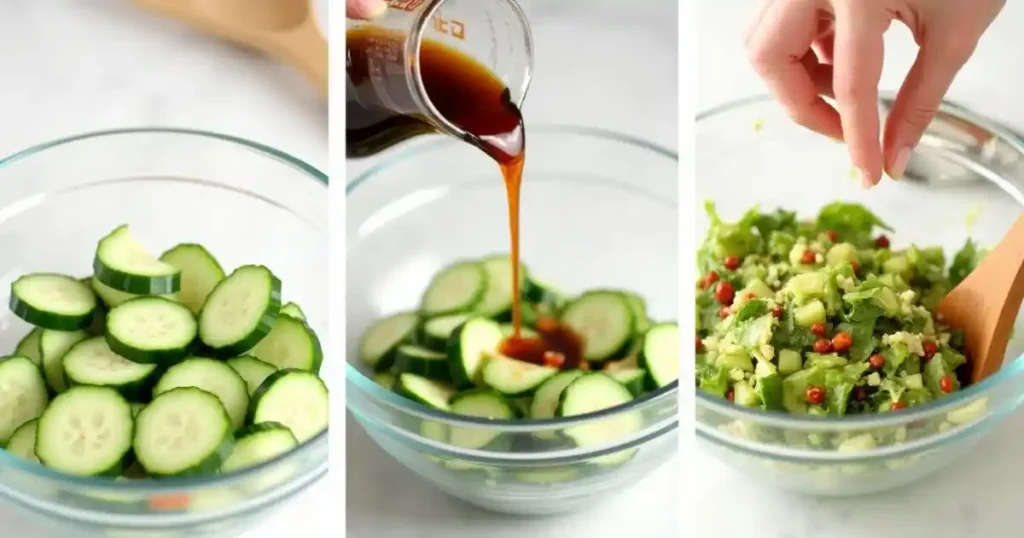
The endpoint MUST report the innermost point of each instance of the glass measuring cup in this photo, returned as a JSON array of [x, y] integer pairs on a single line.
[[386, 101]]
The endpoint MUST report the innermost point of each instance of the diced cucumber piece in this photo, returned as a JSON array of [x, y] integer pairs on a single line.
[[183, 432], [482, 403], [457, 288], [23, 442], [92, 362], [259, 443], [660, 355], [53, 345], [437, 331], [52, 301], [497, 299], [513, 377], [467, 348], [151, 330], [298, 399], [423, 362], [200, 273], [241, 310], [213, 376], [378, 344], [592, 392], [23, 395], [86, 431], [252, 370], [810, 313], [604, 321], [633, 379], [112, 297], [293, 310], [790, 361], [125, 265], [291, 344], [28, 346], [421, 390]]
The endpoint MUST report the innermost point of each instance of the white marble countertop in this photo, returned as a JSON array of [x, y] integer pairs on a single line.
[[71, 66], [976, 498], [598, 63]]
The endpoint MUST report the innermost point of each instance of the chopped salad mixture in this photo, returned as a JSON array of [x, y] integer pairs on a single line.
[[823, 316]]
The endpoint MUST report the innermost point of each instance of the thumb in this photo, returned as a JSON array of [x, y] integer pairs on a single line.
[[919, 99], [365, 9]]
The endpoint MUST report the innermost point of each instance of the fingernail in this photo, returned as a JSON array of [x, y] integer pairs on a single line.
[[899, 166]]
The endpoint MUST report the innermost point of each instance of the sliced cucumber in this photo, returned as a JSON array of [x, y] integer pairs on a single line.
[[28, 347], [428, 392], [545, 399], [23, 442], [497, 300], [379, 343], [293, 310], [53, 345], [183, 432], [631, 378], [252, 370], [291, 344], [259, 443], [514, 378], [240, 311], [112, 297], [605, 322], [200, 273], [92, 362], [660, 355], [52, 301], [151, 330], [594, 392], [481, 403], [86, 431], [213, 376], [457, 288], [437, 331], [467, 346], [423, 362], [23, 395], [297, 399], [125, 265]]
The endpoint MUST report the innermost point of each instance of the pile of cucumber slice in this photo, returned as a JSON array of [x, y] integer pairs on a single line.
[[158, 367], [445, 355]]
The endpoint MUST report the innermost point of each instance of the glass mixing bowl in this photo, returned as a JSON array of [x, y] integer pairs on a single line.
[[964, 183], [599, 209], [247, 203]]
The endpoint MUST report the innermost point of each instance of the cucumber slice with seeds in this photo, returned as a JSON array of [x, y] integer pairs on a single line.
[[52, 301], [23, 395], [424, 362], [23, 442], [183, 432], [421, 390], [240, 311], [295, 398], [213, 376], [111, 297], [467, 347], [513, 377], [457, 288], [436, 331], [293, 310], [151, 330], [28, 347], [92, 362], [259, 443], [660, 355], [53, 345], [86, 431], [125, 265], [200, 273], [252, 370], [291, 344], [379, 343], [605, 322]]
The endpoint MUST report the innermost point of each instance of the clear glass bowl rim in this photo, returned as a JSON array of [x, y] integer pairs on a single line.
[[409, 407], [945, 405], [165, 484]]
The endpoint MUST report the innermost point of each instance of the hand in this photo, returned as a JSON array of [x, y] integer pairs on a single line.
[[805, 49], [364, 9]]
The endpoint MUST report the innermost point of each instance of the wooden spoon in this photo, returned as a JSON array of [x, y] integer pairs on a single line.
[[985, 305], [283, 29]]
